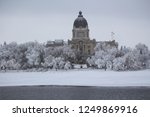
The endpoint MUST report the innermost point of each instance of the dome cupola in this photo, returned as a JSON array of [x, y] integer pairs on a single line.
[[80, 21]]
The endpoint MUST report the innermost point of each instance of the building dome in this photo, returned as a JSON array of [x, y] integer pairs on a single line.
[[80, 22]]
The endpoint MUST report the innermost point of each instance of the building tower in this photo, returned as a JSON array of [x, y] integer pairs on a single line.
[[80, 41], [80, 28]]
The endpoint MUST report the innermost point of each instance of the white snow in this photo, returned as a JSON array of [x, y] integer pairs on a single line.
[[80, 77]]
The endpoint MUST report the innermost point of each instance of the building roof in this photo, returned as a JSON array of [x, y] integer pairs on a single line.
[[80, 21]]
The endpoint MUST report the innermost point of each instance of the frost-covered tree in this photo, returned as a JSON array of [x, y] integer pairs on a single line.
[[101, 63], [8, 51], [21, 56], [119, 64], [48, 62], [3, 64], [58, 63], [61, 51], [34, 54], [104, 56], [143, 54], [13, 65], [91, 61], [135, 59], [9, 55], [120, 59], [68, 54], [67, 66]]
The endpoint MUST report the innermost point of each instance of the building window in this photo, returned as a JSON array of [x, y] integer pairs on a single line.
[[81, 43], [77, 47], [89, 51]]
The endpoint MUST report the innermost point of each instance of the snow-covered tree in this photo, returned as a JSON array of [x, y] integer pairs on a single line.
[[3, 64], [58, 63], [119, 64], [120, 59], [91, 61], [48, 62], [61, 51], [68, 54], [143, 54], [67, 66], [34, 54], [135, 59], [104, 56], [100, 63], [8, 56]]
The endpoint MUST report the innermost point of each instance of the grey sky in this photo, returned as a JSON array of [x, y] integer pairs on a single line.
[[42, 20]]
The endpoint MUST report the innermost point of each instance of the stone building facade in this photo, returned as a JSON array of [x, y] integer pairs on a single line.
[[81, 41], [56, 43]]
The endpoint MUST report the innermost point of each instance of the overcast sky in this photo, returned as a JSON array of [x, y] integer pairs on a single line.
[[43, 20]]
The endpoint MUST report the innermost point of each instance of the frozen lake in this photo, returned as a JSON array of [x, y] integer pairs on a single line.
[[75, 84], [82, 77]]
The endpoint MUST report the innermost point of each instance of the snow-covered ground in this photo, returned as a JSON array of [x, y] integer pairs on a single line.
[[76, 78]]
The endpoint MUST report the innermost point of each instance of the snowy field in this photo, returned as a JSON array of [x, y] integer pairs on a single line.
[[83, 77]]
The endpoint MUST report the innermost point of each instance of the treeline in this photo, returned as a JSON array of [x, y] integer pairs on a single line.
[[31, 55], [107, 57]]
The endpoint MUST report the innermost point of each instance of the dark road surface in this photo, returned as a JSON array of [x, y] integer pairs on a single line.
[[73, 93]]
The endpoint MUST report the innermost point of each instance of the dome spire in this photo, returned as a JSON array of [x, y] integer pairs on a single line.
[[80, 14]]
